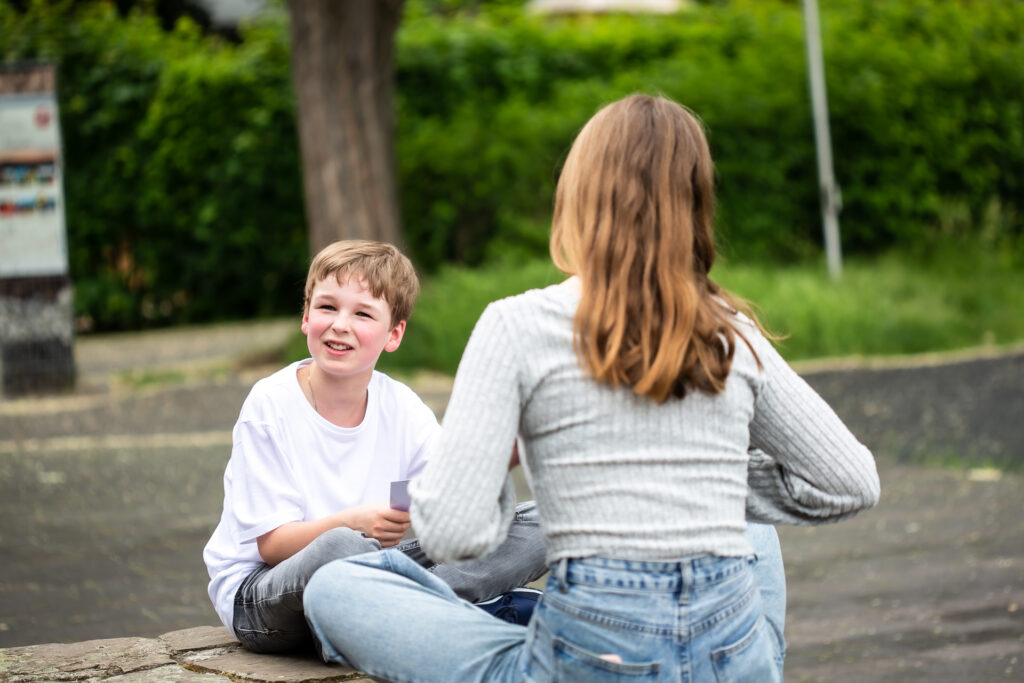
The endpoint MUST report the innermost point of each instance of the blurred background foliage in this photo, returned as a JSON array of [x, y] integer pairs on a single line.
[[184, 200]]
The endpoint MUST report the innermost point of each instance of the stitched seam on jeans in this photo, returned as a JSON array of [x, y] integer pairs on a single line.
[[263, 601], [725, 575], [657, 585], [385, 558], [740, 645], [260, 631], [599, 618], [727, 613], [592, 659], [723, 582]]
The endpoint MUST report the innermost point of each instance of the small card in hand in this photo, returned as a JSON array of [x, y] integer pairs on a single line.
[[400, 495]]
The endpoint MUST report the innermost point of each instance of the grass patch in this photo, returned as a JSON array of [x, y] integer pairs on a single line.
[[976, 463], [890, 305], [144, 379], [449, 306], [138, 380]]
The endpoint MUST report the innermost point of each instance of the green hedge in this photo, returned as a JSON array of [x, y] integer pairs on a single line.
[[184, 199], [926, 107], [183, 189]]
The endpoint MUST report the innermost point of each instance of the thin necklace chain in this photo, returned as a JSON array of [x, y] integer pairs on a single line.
[[309, 383]]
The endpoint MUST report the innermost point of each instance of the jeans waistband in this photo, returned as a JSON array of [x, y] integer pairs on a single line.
[[649, 575]]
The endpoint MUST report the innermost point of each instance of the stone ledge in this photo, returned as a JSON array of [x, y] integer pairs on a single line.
[[204, 653]]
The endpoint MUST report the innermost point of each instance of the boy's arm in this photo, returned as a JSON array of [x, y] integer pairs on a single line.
[[373, 520]]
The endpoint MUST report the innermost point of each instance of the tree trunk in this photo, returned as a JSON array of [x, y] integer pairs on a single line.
[[342, 68]]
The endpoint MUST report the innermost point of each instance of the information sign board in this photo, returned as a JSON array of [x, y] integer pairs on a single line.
[[32, 229], [36, 336]]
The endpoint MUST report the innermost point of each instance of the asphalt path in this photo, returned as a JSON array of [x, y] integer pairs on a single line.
[[108, 495]]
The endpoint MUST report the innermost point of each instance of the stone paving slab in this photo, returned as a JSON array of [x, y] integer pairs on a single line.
[[205, 653], [82, 661], [166, 674], [198, 638], [927, 586]]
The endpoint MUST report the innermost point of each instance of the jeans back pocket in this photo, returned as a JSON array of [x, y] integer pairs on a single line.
[[574, 663], [751, 658]]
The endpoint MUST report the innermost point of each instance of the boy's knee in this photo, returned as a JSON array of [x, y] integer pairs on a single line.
[[527, 512], [319, 582], [339, 543], [320, 587]]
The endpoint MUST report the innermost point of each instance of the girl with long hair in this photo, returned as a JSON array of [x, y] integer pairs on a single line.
[[654, 421]]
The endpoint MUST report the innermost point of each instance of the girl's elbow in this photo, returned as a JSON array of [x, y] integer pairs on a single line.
[[875, 493], [868, 494], [867, 488]]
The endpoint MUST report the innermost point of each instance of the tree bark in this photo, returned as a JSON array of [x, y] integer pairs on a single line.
[[343, 71]]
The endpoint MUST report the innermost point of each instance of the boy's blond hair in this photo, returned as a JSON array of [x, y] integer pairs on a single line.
[[387, 273]]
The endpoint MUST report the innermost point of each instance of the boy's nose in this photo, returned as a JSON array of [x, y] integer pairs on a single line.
[[341, 321]]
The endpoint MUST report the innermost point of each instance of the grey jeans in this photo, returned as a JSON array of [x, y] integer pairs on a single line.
[[268, 615]]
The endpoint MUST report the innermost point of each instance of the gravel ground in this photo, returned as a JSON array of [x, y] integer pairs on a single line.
[[109, 494]]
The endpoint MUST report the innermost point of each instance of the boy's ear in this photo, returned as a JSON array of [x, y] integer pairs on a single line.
[[305, 323], [395, 338]]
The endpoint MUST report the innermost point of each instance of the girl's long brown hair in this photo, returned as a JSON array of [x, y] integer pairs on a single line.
[[633, 218]]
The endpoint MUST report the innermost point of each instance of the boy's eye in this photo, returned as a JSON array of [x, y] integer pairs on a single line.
[[364, 314], [325, 307]]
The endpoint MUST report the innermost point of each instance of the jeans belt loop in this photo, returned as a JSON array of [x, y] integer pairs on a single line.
[[687, 579], [561, 573]]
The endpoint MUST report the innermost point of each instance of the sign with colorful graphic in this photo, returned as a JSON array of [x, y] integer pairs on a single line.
[[32, 230]]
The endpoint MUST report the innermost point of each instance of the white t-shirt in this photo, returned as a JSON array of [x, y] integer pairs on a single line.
[[290, 464]]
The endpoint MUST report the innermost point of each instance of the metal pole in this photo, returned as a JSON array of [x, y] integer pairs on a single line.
[[831, 200]]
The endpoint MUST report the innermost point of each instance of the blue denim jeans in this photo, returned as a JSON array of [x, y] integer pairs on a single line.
[[268, 615], [701, 619]]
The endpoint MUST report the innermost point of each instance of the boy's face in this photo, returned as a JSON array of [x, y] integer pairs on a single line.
[[347, 328]]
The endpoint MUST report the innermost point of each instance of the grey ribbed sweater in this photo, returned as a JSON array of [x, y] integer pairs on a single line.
[[616, 474]]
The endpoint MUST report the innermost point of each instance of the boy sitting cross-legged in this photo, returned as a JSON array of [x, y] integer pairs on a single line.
[[316, 447]]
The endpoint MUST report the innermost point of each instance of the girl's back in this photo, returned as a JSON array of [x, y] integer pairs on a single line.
[[620, 475], [615, 473]]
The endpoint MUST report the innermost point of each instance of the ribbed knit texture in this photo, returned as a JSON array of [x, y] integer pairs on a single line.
[[618, 475]]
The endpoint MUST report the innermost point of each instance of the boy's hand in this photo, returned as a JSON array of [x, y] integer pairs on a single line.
[[377, 520]]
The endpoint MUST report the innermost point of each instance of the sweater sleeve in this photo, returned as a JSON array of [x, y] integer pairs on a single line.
[[464, 502], [805, 466]]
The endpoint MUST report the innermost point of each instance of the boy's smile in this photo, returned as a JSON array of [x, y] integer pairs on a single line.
[[347, 328]]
